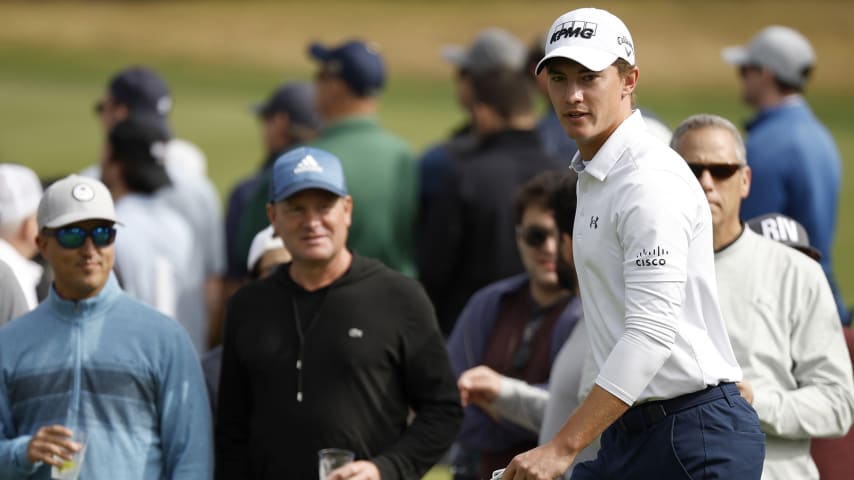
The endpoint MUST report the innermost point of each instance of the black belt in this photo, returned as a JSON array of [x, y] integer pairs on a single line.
[[645, 415]]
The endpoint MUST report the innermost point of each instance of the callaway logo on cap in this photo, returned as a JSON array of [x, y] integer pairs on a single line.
[[592, 37]]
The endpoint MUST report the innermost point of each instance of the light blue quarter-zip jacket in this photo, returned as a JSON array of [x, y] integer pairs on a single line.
[[122, 372]]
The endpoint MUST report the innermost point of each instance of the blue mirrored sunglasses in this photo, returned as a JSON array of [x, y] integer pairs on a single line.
[[75, 237]]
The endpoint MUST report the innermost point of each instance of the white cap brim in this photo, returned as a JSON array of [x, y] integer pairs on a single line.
[[75, 217], [593, 59], [455, 55], [735, 55]]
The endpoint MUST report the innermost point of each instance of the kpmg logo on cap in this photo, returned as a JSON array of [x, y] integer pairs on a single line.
[[575, 28], [82, 192], [652, 258], [308, 164]]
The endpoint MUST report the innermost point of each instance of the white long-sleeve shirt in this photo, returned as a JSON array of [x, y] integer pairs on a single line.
[[786, 334], [642, 244]]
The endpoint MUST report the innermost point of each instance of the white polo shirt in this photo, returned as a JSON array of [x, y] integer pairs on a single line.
[[642, 244]]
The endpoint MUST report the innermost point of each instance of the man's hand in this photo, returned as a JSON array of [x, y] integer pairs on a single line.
[[546, 462], [479, 385], [361, 470], [746, 390], [52, 445]]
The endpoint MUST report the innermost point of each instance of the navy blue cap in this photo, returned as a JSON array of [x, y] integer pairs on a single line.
[[357, 64], [303, 168], [142, 90], [139, 142], [296, 99]]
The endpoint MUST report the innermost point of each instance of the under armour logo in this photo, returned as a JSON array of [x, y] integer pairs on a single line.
[[594, 221], [355, 333]]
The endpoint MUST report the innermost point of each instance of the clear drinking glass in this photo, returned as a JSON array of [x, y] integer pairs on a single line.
[[70, 469], [332, 458]]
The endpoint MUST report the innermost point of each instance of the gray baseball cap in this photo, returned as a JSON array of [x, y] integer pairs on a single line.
[[786, 230], [782, 50], [493, 48], [75, 199]]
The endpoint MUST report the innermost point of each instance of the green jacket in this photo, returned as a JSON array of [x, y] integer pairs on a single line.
[[381, 177]]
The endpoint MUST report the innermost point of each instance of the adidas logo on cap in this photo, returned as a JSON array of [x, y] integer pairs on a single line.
[[308, 164]]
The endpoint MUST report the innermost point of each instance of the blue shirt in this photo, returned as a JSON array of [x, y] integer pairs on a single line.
[[797, 171], [122, 372]]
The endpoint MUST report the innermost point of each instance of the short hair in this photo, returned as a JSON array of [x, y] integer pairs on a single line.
[[508, 92], [563, 201], [788, 87], [535, 192], [623, 69], [707, 120]]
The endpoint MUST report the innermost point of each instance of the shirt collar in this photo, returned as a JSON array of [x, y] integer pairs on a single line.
[[790, 102], [612, 150], [73, 309]]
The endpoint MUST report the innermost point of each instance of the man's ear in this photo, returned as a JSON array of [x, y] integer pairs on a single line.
[[630, 81]]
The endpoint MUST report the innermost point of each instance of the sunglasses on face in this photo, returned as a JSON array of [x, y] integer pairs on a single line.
[[719, 171], [535, 236], [75, 237]]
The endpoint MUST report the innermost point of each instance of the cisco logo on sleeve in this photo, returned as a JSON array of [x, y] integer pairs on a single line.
[[652, 258]]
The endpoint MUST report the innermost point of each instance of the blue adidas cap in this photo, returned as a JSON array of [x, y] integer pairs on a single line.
[[303, 168]]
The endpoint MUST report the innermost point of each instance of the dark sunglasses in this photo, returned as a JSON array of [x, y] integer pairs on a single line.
[[535, 236], [718, 171], [75, 237], [100, 106]]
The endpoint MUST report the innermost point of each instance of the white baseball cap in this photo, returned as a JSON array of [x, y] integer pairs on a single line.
[[592, 37], [782, 50], [75, 199], [20, 192], [263, 242]]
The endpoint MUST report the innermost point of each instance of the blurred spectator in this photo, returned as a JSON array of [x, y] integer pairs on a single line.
[[379, 166], [532, 407], [795, 162], [779, 310], [154, 260], [833, 456], [493, 49], [288, 119], [12, 301], [468, 237], [140, 90], [89, 359], [266, 254], [20, 192], [333, 349], [513, 329]]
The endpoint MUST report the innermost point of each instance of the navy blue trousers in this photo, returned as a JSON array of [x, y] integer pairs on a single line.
[[713, 435]]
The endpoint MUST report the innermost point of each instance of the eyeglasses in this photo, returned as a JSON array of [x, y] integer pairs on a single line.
[[535, 236], [719, 171], [100, 106], [75, 237]]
